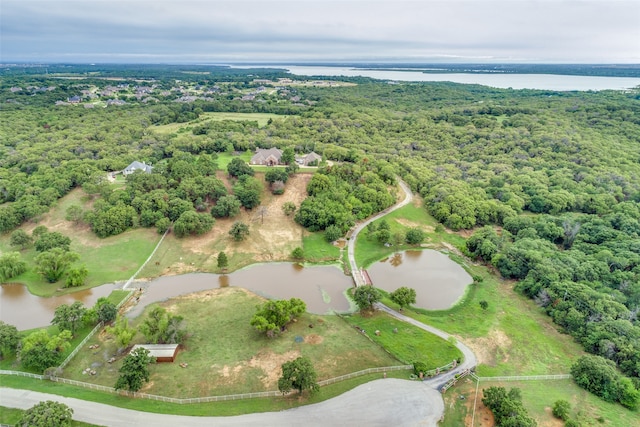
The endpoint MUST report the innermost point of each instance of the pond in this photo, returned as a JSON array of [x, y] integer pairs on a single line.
[[439, 282], [20, 308], [322, 288]]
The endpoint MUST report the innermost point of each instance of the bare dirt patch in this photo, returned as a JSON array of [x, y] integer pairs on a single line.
[[272, 234], [313, 339], [271, 364], [412, 224], [487, 348]]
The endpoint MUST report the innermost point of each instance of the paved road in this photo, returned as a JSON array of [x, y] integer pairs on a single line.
[[383, 402]]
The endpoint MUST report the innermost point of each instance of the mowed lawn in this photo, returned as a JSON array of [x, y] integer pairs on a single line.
[[225, 355]]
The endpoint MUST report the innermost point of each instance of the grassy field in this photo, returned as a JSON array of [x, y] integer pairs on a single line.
[[261, 118], [318, 250], [108, 260], [225, 355], [409, 344], [538, 397]]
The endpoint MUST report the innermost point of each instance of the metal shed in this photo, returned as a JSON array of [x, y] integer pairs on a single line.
[[162, 352]]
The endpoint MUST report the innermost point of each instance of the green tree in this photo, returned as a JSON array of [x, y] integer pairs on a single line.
[[163, 225], [74, 213], [332, 233], [20, 239], [53, 263], [69, 317], [238, 167], [507, 407], [403, 296], [40, 351], [106, 311], [161, 327], [298, 374], [414, 236], [52, 240], [276, 174], [383, 235], [9, 339], [239, 231], [11, 266], [484, 304], [135, 370], [248, 190], [288, 208], [76, 277], [288, 156], [298, 253], [366, 296], [600, 376], [122, 332], [191, 222], [223, 261], [272, 316], [226, 206], [561, 409], [46, 414]]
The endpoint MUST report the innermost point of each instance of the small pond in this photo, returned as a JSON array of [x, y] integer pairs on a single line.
[[439, 282]]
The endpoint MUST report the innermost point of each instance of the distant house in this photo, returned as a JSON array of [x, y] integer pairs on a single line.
[[162, 352], [312, 159], [135, 166], [74, 99], [267, 157]]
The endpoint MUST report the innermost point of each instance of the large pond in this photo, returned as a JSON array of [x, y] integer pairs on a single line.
[[24, 310], [439, 282], [322, 288]]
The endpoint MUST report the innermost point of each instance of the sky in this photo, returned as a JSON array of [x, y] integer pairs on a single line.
[[214, 31]]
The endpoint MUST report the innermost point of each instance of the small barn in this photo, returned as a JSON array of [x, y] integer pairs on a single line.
[[162, 352]]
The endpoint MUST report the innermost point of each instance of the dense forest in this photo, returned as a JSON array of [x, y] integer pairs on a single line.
[[549, 181]]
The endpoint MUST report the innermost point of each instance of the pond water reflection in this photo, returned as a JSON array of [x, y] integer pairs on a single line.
[[439, 282]]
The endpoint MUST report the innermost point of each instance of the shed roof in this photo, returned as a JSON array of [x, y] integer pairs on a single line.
[[159, 350]]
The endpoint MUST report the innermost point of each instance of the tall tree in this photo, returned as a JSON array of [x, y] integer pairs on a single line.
[[53, 264], [134, 371], [239, 231], [69, 317], [8, 339], [274, 315], [40, 351], [11, 266], [298, 374], [366, 296], [403, 296]]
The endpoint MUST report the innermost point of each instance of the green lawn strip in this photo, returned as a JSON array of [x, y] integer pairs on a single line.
[[226, 408], [225, 355], [409, 344], [225, 158], [317, 249], [11, 416]]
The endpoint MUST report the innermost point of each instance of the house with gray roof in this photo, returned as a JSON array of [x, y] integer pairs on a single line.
[[267, 157], [135, 166]]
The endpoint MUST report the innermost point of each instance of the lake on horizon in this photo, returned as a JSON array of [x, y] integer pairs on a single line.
[[557, 82]]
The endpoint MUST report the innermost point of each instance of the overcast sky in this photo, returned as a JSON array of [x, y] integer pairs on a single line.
[[213, 31]]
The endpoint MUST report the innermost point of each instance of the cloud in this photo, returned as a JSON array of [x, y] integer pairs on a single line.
[[198, 30]]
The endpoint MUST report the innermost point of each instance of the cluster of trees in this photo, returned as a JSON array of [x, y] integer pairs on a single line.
[[47, 414], [584, 270], [273, 316], [600, 376], [507, 407], [381, 231], [40, 350], [343, 193]]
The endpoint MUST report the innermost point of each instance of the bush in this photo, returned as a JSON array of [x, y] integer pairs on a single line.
[[419, 367], [297, 253], [561, 409], [332, 233]]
